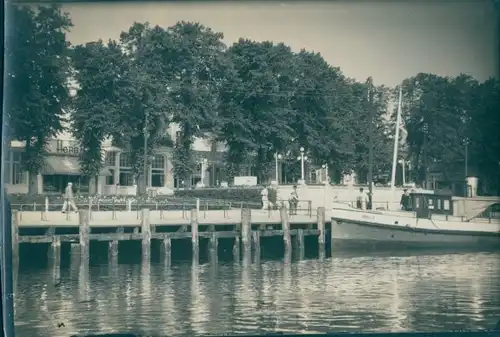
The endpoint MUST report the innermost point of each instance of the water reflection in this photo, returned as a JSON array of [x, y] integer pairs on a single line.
[[383, 293]]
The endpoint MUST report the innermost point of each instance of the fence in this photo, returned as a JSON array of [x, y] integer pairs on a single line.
[[136, 206]]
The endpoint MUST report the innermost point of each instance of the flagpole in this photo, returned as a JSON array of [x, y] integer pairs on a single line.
[[396, 145]]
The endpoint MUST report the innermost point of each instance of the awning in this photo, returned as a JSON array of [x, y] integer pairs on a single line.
[[66, 166]]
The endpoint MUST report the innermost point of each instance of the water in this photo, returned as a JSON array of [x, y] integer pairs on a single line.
[[382, 292]]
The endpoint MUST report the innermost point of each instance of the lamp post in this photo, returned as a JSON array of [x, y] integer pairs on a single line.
[[403, 165], [277, 157], [325, 168], [302, 159], [203, 163], [325, 192], [145, 165]]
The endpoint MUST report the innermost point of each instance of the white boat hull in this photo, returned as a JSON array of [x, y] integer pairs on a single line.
[[357, 229]]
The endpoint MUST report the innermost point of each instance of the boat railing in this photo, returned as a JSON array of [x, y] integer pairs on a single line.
[[486, 216]]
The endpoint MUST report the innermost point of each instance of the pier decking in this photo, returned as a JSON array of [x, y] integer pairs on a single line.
[[244, 226]]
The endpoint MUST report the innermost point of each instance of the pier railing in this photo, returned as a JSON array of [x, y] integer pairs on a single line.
[[135, 206]]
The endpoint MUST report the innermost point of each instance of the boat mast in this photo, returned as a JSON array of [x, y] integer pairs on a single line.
[[371, 112], [396, 144]]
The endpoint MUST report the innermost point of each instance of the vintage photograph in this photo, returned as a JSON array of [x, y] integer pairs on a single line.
[[186, 168]]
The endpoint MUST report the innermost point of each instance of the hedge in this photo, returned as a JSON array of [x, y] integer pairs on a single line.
[[247, 195]]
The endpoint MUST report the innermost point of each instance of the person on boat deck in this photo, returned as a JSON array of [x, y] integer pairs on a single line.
[[294, 200], [405, 200], [362, 199]]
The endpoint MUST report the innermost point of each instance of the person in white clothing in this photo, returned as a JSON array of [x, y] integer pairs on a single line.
[[265, 200], [68, 199], [362, 199]]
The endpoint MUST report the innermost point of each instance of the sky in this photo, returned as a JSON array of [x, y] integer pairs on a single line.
[[388, 40]]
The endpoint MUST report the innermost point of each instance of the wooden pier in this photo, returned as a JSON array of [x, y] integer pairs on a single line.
[[245, 227]]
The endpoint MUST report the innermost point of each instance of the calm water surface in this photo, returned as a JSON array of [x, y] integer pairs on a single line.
[[386, 292]]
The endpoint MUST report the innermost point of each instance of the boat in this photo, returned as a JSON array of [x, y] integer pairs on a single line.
[[433, 221]]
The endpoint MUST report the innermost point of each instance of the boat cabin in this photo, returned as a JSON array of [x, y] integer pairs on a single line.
[[424, 204]]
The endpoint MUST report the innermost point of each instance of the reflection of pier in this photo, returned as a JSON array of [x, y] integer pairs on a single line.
[[245, 227]]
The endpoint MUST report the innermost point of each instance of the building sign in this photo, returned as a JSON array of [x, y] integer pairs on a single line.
[[62, 147]]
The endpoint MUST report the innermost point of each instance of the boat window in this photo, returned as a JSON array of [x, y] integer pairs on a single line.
[[438, 204], [446, 205]]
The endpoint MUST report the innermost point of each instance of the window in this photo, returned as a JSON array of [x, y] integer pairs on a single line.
[[125, 160], [126, 177], [158, 171], [110, 158], [8, 172], [157, 179], [110, 180], [195, 180], [126, 174], [14, 173], [178, 135]]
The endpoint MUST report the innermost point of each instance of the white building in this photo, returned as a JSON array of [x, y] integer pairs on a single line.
[[116, 178]]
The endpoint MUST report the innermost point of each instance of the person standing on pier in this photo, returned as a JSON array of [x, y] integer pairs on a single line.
[[294, 200], [68, 199], [265, 200]]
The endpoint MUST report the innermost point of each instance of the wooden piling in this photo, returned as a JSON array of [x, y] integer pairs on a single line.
[[214, 241], [146, 232], [236, 248], [195, 241], [16, 217], [321, 230], [246, 229], [55, 259], [256, 246], [113, 249], [166, 249], [213, 247], [285, 225], [299, 244], [84, 229]]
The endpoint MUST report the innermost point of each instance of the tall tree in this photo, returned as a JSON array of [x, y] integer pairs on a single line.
[[255, 106], [37, 80], [484, 141], [194, 64], [435, 110], [98, 67], [144, 111]]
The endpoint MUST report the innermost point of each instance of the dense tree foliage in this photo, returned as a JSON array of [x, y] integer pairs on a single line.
[[451, 123], [36, 82], [259, 98]]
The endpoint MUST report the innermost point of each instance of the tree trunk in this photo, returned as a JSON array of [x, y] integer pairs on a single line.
[[93, 185], [141, 185], [213, 154], [33, 183]]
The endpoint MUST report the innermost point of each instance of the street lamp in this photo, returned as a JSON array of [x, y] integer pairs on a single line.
[[144, 187], [203, 163], [302, 158], [325, 168], [277, 157], [403, 164], [325, 190]]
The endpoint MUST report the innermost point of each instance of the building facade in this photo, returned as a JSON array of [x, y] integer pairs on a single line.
[[116, 178]]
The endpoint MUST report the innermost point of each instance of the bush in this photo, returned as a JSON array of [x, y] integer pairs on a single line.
[[247, 195]]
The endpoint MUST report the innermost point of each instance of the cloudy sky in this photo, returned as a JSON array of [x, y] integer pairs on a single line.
[[389, 40]]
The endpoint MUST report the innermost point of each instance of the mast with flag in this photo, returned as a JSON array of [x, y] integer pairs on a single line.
[[399, 127]]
